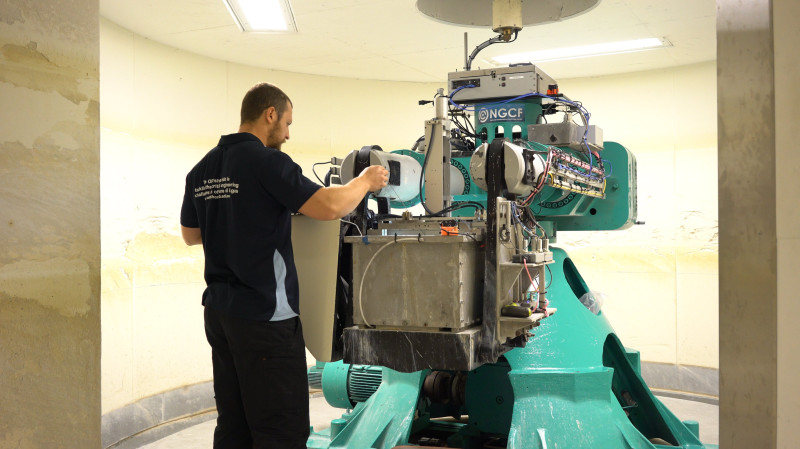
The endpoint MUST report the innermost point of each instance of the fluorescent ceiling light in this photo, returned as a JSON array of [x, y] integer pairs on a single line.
[[584, 51], [262, 15]]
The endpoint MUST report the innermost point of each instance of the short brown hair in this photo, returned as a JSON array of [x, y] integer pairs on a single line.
[[259, 98]]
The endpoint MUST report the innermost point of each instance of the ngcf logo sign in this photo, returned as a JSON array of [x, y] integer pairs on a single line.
[[504, 113]]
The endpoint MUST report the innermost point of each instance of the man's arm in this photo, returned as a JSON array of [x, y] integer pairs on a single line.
[[334, 202], [191, 236]]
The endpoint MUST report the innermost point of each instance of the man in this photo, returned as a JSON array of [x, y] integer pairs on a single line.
[[237, 204]]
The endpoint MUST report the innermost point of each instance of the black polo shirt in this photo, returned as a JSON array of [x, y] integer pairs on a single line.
[[241, 196]]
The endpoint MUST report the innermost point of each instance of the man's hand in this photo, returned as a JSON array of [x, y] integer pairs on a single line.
[[334, 202], [376, 176]]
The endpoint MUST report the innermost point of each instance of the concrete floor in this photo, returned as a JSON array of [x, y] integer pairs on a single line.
[[200, 435]]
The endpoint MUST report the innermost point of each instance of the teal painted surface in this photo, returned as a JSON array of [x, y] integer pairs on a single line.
[[570, 211], [490, 398], [504, 128], [573, 386], [572, 379], [471, 192], [334, 383], [382, 422]]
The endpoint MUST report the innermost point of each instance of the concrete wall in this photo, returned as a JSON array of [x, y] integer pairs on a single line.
[[758, 180], [786, 35], [163, 109], [49, 225]]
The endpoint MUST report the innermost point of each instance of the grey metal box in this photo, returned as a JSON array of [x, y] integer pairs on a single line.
[[504, 82], [565, 134], [432, 284]]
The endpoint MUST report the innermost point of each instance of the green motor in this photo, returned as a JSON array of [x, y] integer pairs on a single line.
[[345, 385]]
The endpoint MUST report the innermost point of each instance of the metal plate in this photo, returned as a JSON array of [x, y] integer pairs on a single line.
[[417, 284]]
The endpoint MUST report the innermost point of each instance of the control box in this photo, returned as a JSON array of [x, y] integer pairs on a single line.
[[499, 83]]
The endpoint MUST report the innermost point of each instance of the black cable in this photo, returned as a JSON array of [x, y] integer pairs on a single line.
[[455, 207], [313, 169], [462, 127], [494, 40], [550, 277], [474, 132]]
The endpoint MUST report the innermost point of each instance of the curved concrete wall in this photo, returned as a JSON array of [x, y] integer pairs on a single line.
[[162, 109], [49, 225]]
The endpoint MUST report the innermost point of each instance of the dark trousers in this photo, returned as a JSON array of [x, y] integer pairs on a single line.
[[260, 382]]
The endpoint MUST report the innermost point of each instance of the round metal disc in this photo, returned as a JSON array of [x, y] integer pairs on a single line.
[[478, 13]]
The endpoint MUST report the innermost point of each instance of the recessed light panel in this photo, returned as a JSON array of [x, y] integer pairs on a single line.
[[262, 15], [583, 51]]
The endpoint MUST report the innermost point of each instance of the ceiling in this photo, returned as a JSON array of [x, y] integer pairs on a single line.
[[392, 40]]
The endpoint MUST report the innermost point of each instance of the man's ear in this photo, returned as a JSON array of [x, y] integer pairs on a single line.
[[270, 115]]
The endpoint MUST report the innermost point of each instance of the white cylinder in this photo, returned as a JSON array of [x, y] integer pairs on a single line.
[[404, 173], [456, 181], [515, 168], [506, 15]]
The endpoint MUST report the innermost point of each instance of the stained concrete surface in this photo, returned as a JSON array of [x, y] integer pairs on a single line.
[[200, 436]]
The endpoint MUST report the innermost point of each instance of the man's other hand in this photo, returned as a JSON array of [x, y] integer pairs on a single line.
[[376, 176]]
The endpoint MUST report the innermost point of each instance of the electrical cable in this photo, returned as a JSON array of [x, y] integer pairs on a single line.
[[458, 206], [550, 276], [576, 105], [313, 169], [350, 222], [611, 167], [532, 219], [525, 264], [515, 215], [366, 269], [543, 177], [422, 179], [494, 40]]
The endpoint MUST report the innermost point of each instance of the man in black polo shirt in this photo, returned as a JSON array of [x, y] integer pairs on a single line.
[[238, 204]]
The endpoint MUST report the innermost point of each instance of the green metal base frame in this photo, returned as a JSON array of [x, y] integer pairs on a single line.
[[383, 421], [573, 386]]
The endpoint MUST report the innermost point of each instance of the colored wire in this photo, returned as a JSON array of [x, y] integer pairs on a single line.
[[525, 264], [515, 215], [584, 113], [540, 184], [611, 167]]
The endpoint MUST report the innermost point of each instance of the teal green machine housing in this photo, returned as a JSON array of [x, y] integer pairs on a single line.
[[571, 385]]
